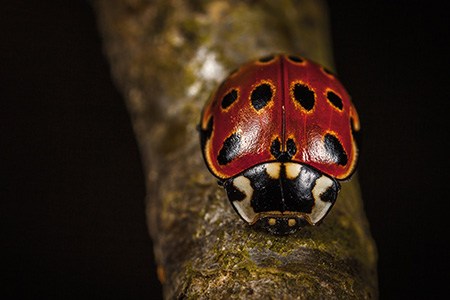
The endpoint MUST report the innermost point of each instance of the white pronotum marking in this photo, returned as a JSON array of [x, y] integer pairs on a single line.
[[292, 170], [320, 207], [244, 207], [273, 170]]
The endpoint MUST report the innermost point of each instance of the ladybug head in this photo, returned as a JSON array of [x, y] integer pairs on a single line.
[[282, 197], [280, 224]]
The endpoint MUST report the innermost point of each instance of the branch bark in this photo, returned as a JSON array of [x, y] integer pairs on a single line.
[[167, 56]]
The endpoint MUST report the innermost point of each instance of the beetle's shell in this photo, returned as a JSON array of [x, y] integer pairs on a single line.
[[279, 133], [239, 132]]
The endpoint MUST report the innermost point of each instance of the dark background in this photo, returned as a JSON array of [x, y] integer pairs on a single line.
[[72, 188]]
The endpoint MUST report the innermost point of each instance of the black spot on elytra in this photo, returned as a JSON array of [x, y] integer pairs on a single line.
[[275, 148], [205, 134], [296, 59], [304, 96], [335, 100], [334, 147], [230, 149], [283, 156], [291, 148], [261, 96], [267, 58], [229, 98]]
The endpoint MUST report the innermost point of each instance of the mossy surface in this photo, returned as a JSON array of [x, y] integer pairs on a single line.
[[167, 57]]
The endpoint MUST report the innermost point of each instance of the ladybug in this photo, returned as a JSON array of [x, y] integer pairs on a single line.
[[279, 134]]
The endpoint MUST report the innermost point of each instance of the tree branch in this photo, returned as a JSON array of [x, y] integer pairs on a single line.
[[167, 56]]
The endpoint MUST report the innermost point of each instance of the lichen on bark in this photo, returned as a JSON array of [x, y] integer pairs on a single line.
[[167, 57]]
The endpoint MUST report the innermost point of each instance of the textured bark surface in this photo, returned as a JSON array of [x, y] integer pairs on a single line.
[[167, 57]]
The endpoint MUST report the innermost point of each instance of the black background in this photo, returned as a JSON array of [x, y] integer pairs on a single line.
[[72, 188]]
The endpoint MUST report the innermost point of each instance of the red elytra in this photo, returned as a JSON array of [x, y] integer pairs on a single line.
[[284, 102]]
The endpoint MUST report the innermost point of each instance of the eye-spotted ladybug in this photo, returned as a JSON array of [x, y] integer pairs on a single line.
[[279, 134]]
